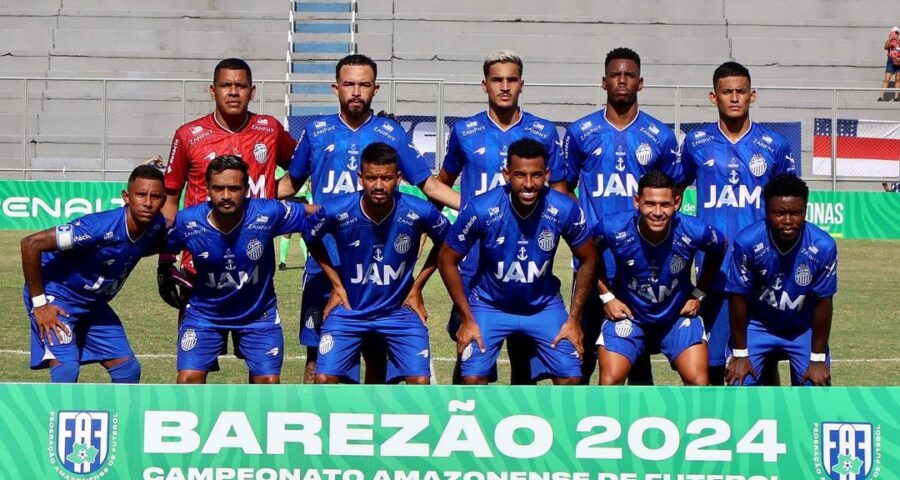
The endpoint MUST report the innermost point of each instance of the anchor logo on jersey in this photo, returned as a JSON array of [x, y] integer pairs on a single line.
[[353, 152], [229, 260], [378, 256], [734, 178], [620, 164], [523, 254], [777, 285]]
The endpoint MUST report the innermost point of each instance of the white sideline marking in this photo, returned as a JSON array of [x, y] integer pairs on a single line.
[[169, 356]]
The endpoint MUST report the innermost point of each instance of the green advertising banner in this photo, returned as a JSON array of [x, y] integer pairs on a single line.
[[219, 432], [34, 205]]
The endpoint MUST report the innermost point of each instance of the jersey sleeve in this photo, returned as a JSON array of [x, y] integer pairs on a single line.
[[178, 167], [174, 237], [598, 236], [572, 156], [437, 225], [712, 240], [739, 278], [669, 158], [826, 279], [76, 234], [412, 163], [686, 171], [555, 161], [784, 160], [465, 231], [301, 160], [576, 231], [318, 225], [285, 146], [455, 157], [291, 217]]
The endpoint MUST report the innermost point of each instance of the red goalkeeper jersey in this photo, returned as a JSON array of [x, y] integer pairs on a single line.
[[262, 142]]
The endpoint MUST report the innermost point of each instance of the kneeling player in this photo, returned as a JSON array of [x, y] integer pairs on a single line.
[[230, 240], [73, 271], [517, 228], [377, 232], [653, 305], [782, 275]]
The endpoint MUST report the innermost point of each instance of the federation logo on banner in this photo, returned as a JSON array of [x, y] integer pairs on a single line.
[[847, 451], [83, 442]]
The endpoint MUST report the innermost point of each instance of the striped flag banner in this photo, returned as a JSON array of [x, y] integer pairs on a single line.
[[865, 148]]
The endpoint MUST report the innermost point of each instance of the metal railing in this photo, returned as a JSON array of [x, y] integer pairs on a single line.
[[98, 128]]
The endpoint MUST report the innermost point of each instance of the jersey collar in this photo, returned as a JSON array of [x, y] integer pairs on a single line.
[[513, 125], [389, 215], [637, 226], [626, 126], [728, 139], [223, 127], [371, 116], [236, 225], [775, 244]]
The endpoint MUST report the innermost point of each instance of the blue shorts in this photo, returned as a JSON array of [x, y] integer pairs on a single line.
[[316, 291], [260, 344], [541, 327], [714, 311], [630, 339], [97, 335], [402, 331], [796, 346], [890, 67]]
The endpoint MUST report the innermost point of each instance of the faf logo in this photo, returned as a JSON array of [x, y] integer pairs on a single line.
[[83, 443], [847, 451]]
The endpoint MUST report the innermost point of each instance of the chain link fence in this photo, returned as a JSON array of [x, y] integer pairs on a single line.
[[99, 129]]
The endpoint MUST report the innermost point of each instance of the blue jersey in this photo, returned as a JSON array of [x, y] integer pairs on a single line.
[[477, 149], [654, 280], [730, 176], [778, 285], [235, 269], [607, 162], [329, 154], [377, 259], [515, 265], [96, 254]]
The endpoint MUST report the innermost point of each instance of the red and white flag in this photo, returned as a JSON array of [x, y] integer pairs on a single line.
[[865, 148]]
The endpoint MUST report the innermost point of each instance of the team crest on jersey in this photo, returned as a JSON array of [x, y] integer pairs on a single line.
[[758, 165], [83, 442], [402, 243], [188, 340], [643, 153], [546, 240], [326, 344], [803, 276], [260, 152], [624, 328], [254, 249], [677, 264], [847, 451]]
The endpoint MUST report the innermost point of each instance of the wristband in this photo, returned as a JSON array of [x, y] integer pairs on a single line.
[[38, 301], [607, 297], [698, 294], [816, 357], [740, 353]]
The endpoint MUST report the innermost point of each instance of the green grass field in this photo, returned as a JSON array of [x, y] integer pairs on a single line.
[[862, 339]]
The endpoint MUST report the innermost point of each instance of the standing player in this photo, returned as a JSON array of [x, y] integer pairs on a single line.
[[73, 271], [373, 293], [517, 228], [731, 160], [781, 278], [328, 155], [230, 238], [652, 305], [606, 154], [229, 130], [477, 150]]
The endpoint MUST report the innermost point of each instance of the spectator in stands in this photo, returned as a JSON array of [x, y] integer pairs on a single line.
[[892, 46]]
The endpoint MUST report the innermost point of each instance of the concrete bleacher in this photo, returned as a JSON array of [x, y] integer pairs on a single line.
[[799, 43]]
